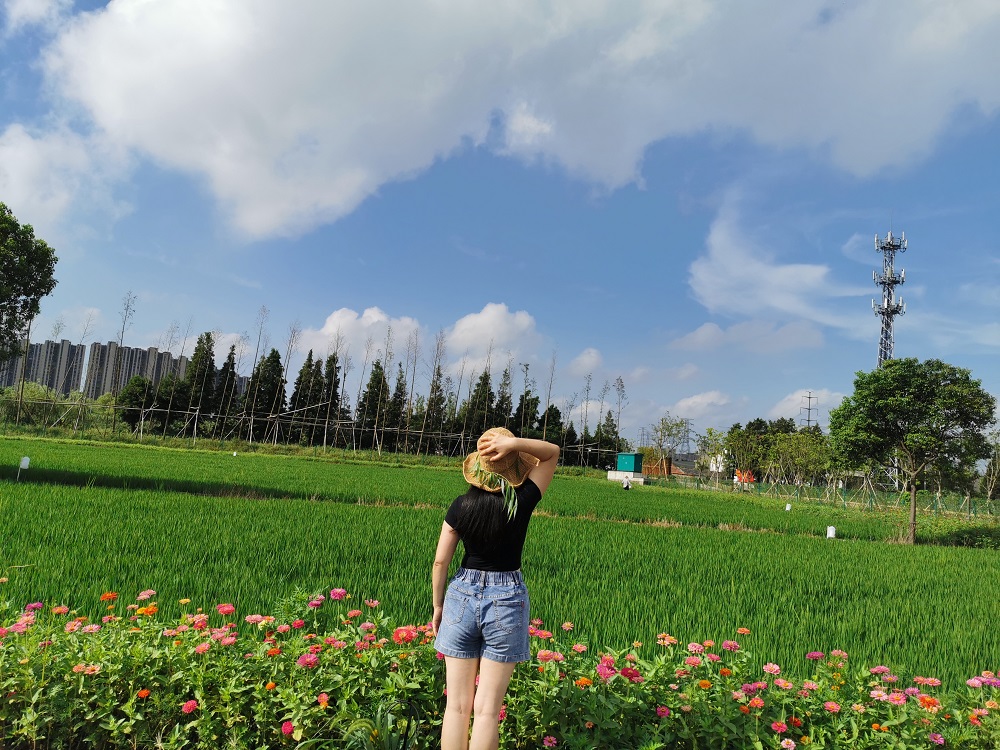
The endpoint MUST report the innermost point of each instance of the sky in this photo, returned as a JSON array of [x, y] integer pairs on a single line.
[[681, 193]]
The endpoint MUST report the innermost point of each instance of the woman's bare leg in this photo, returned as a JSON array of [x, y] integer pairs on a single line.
[[494, 676], [461, 681]]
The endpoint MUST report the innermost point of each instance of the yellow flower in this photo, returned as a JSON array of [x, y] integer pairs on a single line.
[[183, 601]]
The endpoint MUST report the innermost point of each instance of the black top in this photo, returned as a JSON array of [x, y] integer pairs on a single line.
[[505, 555]]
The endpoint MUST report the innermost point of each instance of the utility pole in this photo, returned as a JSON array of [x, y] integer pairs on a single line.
[[808, 410]]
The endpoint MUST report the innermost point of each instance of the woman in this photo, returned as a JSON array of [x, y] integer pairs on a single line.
[[481, 623]]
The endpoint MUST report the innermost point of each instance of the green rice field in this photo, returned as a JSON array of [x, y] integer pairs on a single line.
[[254, 529]]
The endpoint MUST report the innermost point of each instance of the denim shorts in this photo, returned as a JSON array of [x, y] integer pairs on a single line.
[[485, 615]]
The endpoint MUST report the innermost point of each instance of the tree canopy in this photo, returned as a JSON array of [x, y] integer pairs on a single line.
[[909, 416], [26, 268]]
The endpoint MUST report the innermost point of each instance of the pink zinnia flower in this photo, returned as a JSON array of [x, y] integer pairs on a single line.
[[897, 699], [72, 626], [190, 707], [287, 728], [838, 653], [832, 706], [692, 661], [567, 626], [810, 685], [662, 711], [788, 744], [371, 603], [550, 741], [60, 609], [202, 647], [631, 674], [34, 606], [149, 594], [756, 702], [879, 670], [579, 648], [229, 640], [225, 609], [696, 648], [315, 604], [772, 668], [92, 628], [606, 672], [307, 660], [815, 655], [783, 684], [730, 646], [298, 624], [338, 594], [975, 682], [366, 626], [937, 739], [780, 727], [353, 613], [254, 619]]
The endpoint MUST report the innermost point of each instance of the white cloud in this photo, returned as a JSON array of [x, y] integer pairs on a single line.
[[585, 362], [702, 407], [685, 371], [752, 336], [359, 333], [21, 13], [492, 332], [293, 118]]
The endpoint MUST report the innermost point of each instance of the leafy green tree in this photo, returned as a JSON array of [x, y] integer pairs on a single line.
[[667, 434], [711, 461], [225, 393], [26, 268], [571, 446], [332, 403], [990, 482], [527, 414], [266, 391], [201, 376], [301, 401], [371, 406], [170, 405], [480, 407], [553, 425], [395, 416], [505, 402], [909, 415], [134, 398], [434, 414]]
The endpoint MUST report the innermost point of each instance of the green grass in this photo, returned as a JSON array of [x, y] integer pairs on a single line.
[[928, 609]]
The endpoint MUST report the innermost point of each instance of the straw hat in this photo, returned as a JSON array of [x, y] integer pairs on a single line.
[[486, 473]]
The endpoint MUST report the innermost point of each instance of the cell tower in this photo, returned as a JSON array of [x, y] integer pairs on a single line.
[[890, 307]]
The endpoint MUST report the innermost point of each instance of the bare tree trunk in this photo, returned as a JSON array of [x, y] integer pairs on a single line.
[[912, 537], [412, 351], [128, 309], [548, 395]]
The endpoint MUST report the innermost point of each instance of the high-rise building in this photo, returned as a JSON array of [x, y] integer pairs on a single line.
[[58, 366], [111, 366]]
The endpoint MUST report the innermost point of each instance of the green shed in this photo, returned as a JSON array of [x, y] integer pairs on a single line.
[[630, 462]]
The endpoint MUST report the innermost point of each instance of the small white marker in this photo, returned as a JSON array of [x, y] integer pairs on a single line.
[[788, 506], [234, 453], [831, 532], [25, 461]]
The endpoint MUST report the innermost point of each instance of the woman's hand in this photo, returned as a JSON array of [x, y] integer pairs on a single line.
[[493, 447], [436, 620]]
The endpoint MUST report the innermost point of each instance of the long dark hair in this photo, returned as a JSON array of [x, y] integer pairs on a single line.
[[482, 517]]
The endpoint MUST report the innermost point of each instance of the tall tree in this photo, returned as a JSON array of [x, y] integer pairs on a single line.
[[371, 405], [225, 392], [505, 400], [395, 412], [667, 433], [331, 396], [26, 268], [482, 403], [621, 399], [909, 415], [300, 400], [201, 376], [266, 388], [527, 414]]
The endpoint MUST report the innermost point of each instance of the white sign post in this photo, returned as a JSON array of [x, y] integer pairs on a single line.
[[831, 532], [25, 460], [788, 506]]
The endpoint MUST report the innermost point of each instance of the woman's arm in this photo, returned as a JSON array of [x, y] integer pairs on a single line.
[[497, 446], [447, 543]]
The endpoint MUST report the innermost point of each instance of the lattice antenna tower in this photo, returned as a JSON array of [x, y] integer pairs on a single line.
[[890, 307], [808, 409]]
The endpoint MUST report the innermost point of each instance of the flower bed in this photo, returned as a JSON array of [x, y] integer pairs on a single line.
[[327, 671]]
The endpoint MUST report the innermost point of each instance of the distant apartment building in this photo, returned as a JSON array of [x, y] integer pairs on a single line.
[[58, 366], [110, 367]]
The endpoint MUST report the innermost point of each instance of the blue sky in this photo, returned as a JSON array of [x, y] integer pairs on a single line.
[[683, 194]]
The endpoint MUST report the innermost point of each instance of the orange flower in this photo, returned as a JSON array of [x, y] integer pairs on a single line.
[[270, 686], [584, 682], [725, 671], [109, 596], [704, 684], [273, 651], [148, 611], [743, 631], [744, 709], [144, 693], [876, 727]]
